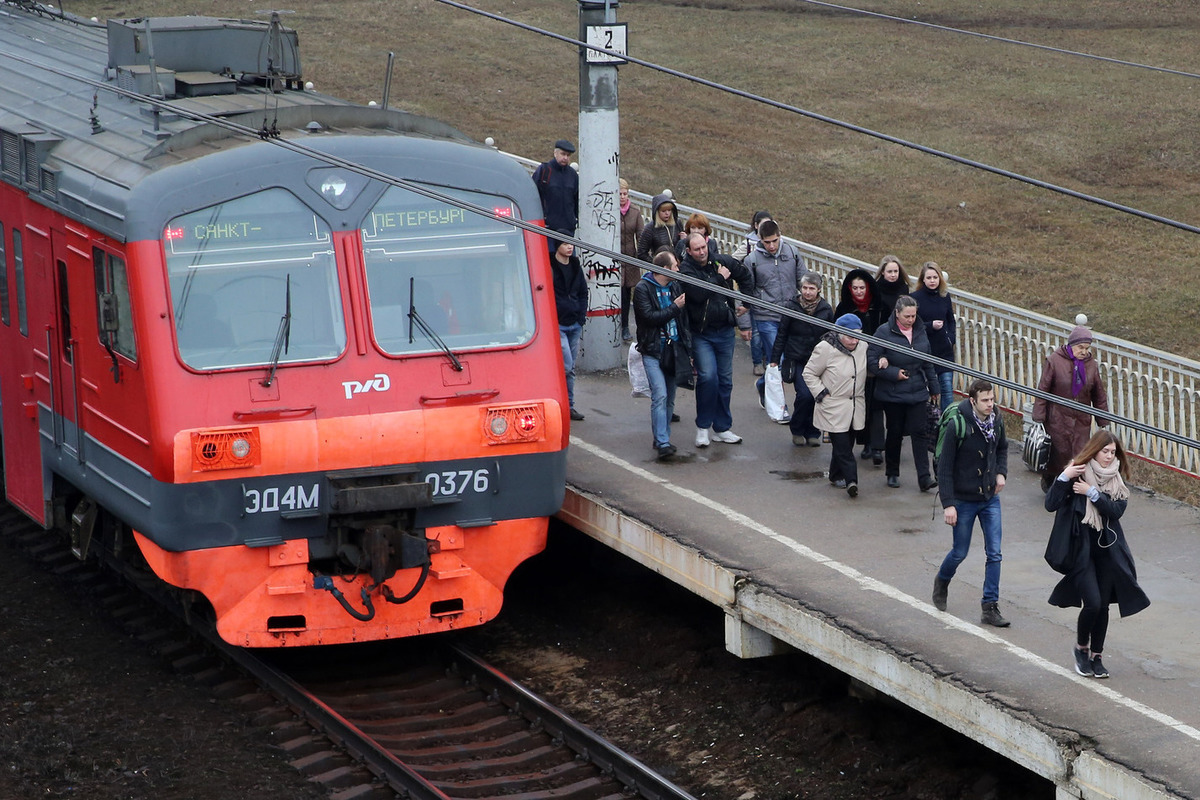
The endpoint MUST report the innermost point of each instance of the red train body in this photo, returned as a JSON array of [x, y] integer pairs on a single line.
[[331, 406]]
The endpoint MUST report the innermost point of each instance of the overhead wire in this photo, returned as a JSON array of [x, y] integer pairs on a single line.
[[617, 257], [1001, 39], [968, 162]]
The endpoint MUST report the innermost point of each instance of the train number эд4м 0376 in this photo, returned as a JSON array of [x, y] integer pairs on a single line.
[[293, 498], [456, 482]]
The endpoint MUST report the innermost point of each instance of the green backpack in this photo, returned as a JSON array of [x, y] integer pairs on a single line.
[[952, 418]]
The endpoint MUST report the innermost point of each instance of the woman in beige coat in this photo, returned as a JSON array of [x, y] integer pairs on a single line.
[[836, 374]]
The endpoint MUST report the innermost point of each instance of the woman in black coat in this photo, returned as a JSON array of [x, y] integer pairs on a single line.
[[1088, 546], [904, 384], [861, 298]]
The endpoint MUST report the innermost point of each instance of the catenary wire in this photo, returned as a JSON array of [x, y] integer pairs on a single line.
[[433, 194], [1001, 39], [968, 162]]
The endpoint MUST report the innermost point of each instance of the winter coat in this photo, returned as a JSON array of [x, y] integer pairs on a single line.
[[570, 291], [967, 469], [797, 337], [874, 316], [558, 187], [889, 292], [1069, 429], [931, 307], [651, 319], [631, 228], [837, 380], [655, 235], [776, 277], [708, 310], [922, 380], [1068, 509]]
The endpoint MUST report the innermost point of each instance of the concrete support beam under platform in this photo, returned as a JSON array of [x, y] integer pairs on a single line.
[[760, 622]]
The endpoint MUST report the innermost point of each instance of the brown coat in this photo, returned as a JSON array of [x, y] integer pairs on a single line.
[[631, 228], [1069, 429]]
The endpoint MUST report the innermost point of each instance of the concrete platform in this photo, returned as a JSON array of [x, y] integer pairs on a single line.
[[757, 529]]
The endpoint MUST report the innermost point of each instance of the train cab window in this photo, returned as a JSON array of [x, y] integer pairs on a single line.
[[238, 268], [19, 280], [466, 275], [5, 315], [113, 313]]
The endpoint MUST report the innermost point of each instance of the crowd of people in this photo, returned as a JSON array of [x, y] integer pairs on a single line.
[[851, 393]]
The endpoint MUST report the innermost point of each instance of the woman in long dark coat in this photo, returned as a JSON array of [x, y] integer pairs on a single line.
[[1088, 546], [1071, 371]]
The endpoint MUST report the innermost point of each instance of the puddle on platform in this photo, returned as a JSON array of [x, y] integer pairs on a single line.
[[796, 475]]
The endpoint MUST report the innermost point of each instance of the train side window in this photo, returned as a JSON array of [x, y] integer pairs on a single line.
[[64, 311], [19, 276], [114, 315], [5, 316]]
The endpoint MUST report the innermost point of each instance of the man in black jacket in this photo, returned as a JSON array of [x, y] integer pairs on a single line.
[[571, 300], [972, 465], [558, 186], [712, 318]]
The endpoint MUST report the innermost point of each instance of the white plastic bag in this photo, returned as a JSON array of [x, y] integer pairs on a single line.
[[637, 373], [773, 399]]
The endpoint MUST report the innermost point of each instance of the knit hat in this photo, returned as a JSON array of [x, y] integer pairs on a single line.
[[1079, 334], [849, 321]]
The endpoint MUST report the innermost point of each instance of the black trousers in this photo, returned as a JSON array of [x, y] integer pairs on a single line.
[[842, 465], [1095, 586], [906, 419]]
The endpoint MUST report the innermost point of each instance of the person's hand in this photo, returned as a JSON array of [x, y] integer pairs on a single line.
[[747, 334], [724, 272], [1073, 470], [679, 301], [938, 324], [773, 364], [934, 398], [902, 375], [1000, 483], [883, 362], [950, 516], [741, 310]]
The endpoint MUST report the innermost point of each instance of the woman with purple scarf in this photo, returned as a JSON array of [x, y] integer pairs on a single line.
[[1071, 372]]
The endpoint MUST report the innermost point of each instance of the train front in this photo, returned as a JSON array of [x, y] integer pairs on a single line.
[[358, 389]]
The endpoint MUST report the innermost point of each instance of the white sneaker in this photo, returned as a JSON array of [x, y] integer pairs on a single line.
[[701, 437], [729, 437]]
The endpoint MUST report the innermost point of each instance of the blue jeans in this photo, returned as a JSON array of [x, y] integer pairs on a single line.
[[946, 379], [662, 400], [712, 353], [988, 513], [568, 337], [766, 331]]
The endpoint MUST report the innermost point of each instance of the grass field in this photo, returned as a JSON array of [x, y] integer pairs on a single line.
[[1124, 134]]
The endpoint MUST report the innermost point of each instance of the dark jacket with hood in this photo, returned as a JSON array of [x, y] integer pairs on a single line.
[[922, 380], [932, 306], [652, 319], [889, 292], [967, 469], [707, 310], [559, 190], [874, 315], [1068, 509], [570, 291], [797, 337], [655, 234]]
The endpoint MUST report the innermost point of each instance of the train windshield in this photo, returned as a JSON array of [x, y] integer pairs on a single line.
[[465, 275], [235, 270]]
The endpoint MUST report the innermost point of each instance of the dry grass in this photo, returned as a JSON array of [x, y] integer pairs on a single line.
[[1124, 134]]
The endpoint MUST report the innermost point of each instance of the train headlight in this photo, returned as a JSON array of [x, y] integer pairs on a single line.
[[225, 449], [513, 424]]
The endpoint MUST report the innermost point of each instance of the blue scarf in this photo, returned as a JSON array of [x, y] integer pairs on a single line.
[[670, 331]]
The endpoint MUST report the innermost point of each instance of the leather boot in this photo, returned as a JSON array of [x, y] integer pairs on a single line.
[[941, 589], [991, 616]]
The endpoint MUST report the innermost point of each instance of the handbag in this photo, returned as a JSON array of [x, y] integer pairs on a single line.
[[1036, 450], [639, 383], [685, 373], [933, 421], [773, 399]]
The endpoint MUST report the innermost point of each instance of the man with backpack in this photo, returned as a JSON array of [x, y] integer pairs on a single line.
[[972, 462]]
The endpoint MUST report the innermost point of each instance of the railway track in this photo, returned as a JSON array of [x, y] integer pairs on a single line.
[[379, 721]]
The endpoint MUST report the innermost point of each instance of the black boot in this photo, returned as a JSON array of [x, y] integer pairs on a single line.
[[991, 616], [941, 589]]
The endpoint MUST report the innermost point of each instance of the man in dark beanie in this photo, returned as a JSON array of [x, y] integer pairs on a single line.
[[558, 186]]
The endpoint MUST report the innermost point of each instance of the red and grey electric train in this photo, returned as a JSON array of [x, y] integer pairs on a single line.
[[330, 405]]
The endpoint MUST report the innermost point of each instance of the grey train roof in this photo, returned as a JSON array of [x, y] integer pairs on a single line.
[[105, 159]]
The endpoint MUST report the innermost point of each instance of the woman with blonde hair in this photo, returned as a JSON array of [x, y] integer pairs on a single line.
[[936, 310], [1087, 545]]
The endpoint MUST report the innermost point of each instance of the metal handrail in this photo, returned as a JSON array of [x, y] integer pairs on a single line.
[[1156, 388]]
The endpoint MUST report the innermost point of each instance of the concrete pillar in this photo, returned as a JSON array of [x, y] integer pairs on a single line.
[[599, 212], [747, 641]]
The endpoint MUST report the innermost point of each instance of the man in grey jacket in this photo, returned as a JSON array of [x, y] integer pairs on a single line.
[[776, 267]]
